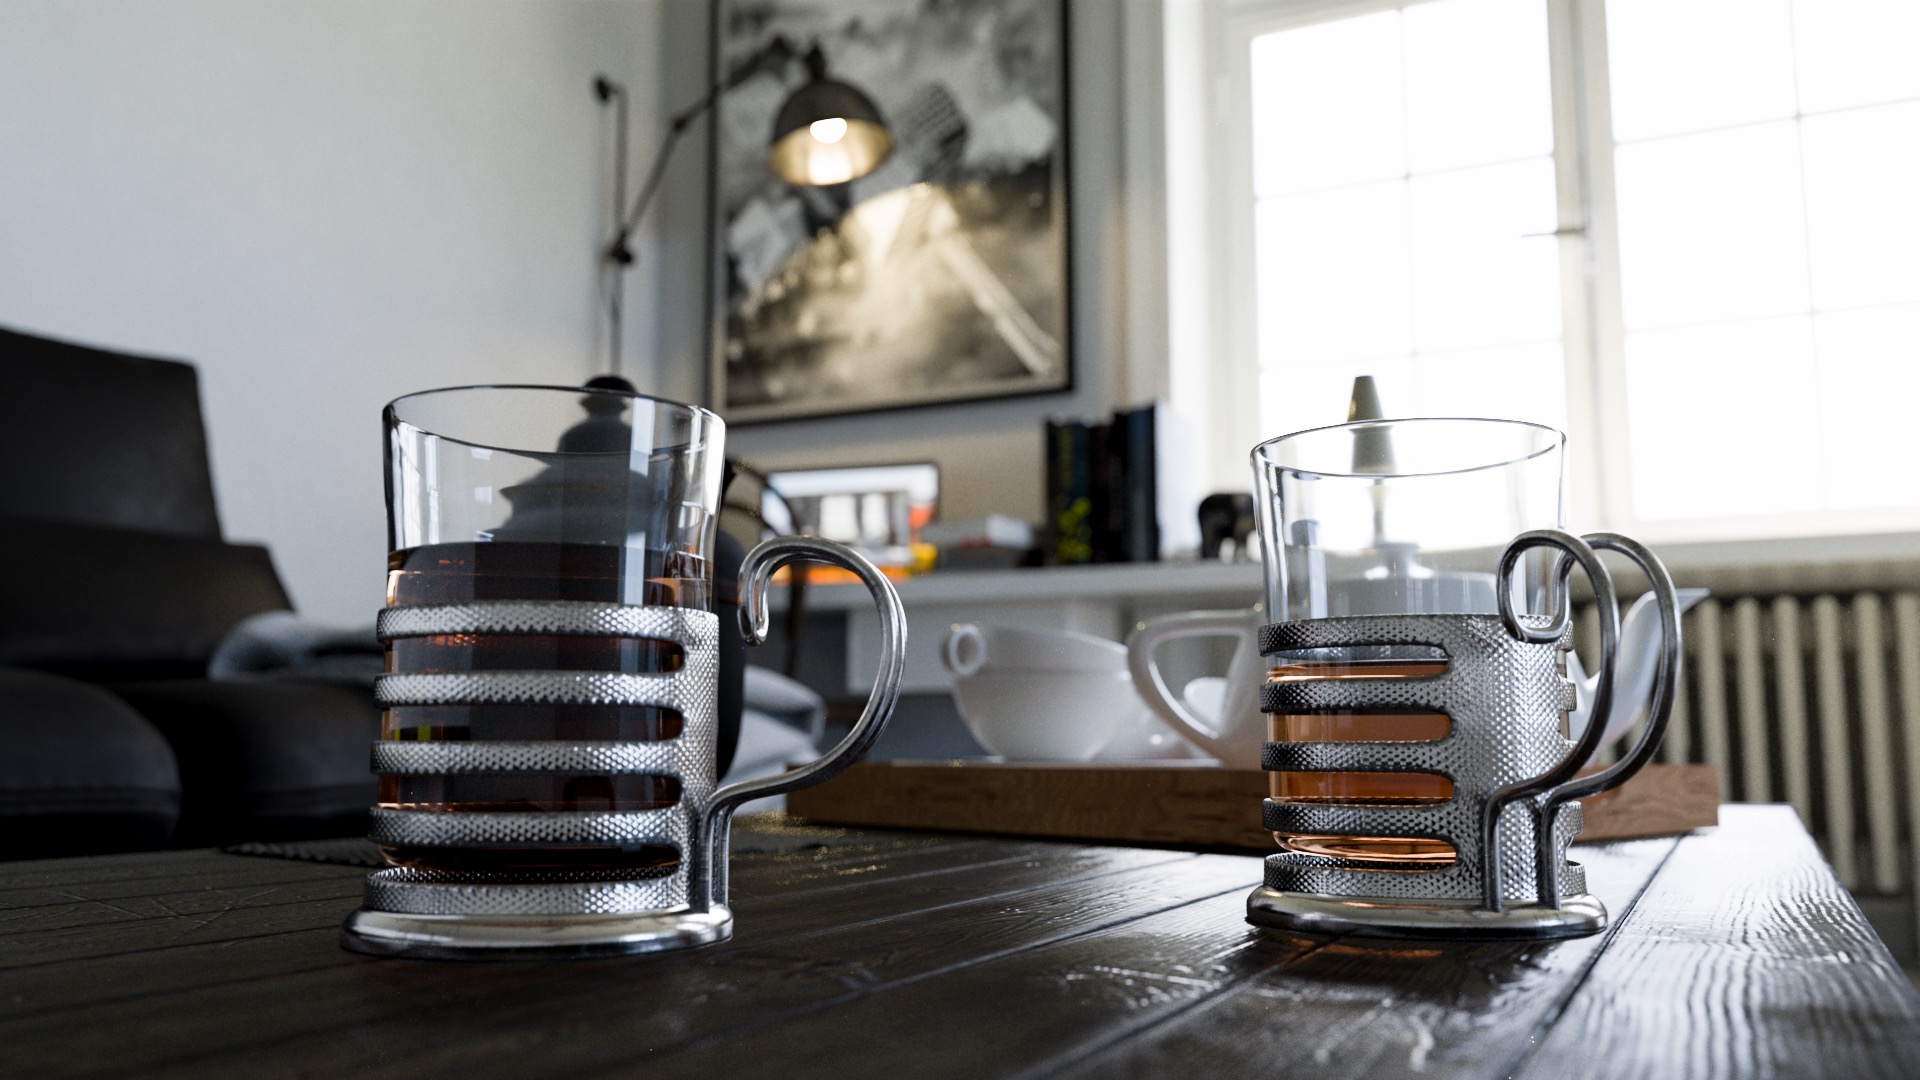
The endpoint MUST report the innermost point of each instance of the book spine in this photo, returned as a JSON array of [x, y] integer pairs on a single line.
[[1142, 486], [1103, 467], [1069, 492]]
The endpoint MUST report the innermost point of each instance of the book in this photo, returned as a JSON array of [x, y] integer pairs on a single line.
[[1070, 493], [1137, 467], [1103, 489]]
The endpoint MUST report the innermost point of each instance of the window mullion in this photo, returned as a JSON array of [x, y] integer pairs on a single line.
[[1234, 293], [1608, 448], [1574, 218]]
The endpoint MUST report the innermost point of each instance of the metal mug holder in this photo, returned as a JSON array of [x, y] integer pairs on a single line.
[[483, 915], [1514, 775]]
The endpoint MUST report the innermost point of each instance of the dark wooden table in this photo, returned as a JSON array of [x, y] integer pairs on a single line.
[[1733, 952]]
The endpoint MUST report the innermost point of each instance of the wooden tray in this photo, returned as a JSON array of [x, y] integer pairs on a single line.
[[1181, 805]]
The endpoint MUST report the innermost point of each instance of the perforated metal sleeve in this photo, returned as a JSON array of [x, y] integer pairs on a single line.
[[536, 688], [669, 758], [425, 829], [1505, 699], [1407, 757], [427, 893], [562, 617], [691, 691], [1301, 872]]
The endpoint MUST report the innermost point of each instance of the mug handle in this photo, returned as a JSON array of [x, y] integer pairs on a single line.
[[1152, 686], [708, 885], [1666, 676], [964, 652], [1572, 550], [1560, 785]]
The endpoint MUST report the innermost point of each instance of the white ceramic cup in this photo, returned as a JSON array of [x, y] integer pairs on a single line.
[[1232, 730], [1052, 695]]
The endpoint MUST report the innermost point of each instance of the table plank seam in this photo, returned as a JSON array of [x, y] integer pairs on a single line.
[[863, 993], [1072, 1060], [29, 966], [28, 1014], [916, 875], [1063, 1062], [780, 940], [268, 1046], [193, 918], [134, 919], [6, 910], [1614, 925], [1005, 894]]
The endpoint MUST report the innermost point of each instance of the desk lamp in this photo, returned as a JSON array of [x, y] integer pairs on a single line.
[[828, 132]]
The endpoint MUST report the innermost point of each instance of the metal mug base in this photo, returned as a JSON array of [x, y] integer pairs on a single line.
[[531, 937], [1313, 913]]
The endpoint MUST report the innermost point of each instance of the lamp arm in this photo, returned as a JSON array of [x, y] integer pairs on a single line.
[[619, 251], [774, 54]]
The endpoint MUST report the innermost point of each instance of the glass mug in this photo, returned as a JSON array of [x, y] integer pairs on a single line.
[[1393, 517], [547, 750]]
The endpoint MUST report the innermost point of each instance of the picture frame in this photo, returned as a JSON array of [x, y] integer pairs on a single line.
[[941, 277]]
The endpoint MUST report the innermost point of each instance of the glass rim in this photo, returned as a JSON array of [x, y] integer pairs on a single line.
[[1260, 455], [391, 411]]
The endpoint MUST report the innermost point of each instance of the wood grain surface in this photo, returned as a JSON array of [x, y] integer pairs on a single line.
[[1744, 958], [864, 953], [1203, 807]]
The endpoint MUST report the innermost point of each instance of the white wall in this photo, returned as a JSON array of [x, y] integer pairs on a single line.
[[323, 204]]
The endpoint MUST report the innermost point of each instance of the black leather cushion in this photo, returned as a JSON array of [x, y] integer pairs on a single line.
[[102, 603], [265, 760], [81, 774], [112, 439]]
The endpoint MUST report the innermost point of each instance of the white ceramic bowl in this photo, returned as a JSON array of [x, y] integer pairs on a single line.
[[1047, 715], [1053, 695], [971, 649]]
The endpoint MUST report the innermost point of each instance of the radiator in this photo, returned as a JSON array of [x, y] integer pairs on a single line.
[[1812, 700]]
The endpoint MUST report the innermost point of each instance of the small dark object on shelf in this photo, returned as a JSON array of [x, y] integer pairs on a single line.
[[1226, 516]]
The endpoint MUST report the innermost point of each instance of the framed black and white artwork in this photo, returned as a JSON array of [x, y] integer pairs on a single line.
[[940, 276]]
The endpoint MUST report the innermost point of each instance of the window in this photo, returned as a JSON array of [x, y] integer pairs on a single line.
[[1682, 230]]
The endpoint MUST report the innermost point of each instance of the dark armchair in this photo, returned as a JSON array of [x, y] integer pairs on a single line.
[[115, 588]]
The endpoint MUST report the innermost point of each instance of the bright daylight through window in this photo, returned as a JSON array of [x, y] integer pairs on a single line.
[[1685, 228]]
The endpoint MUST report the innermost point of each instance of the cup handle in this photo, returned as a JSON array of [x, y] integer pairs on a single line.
[[1666, 676], [1560, 785], [1538, 790], [1145, 643], [708, 886], [964, 652]]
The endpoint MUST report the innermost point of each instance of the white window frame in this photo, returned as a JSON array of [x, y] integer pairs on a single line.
[[1212, 305]]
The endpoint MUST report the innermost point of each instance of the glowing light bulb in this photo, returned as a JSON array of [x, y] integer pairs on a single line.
[[830, 130]]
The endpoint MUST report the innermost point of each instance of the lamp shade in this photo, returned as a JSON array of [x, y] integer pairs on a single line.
[[827, 133]]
